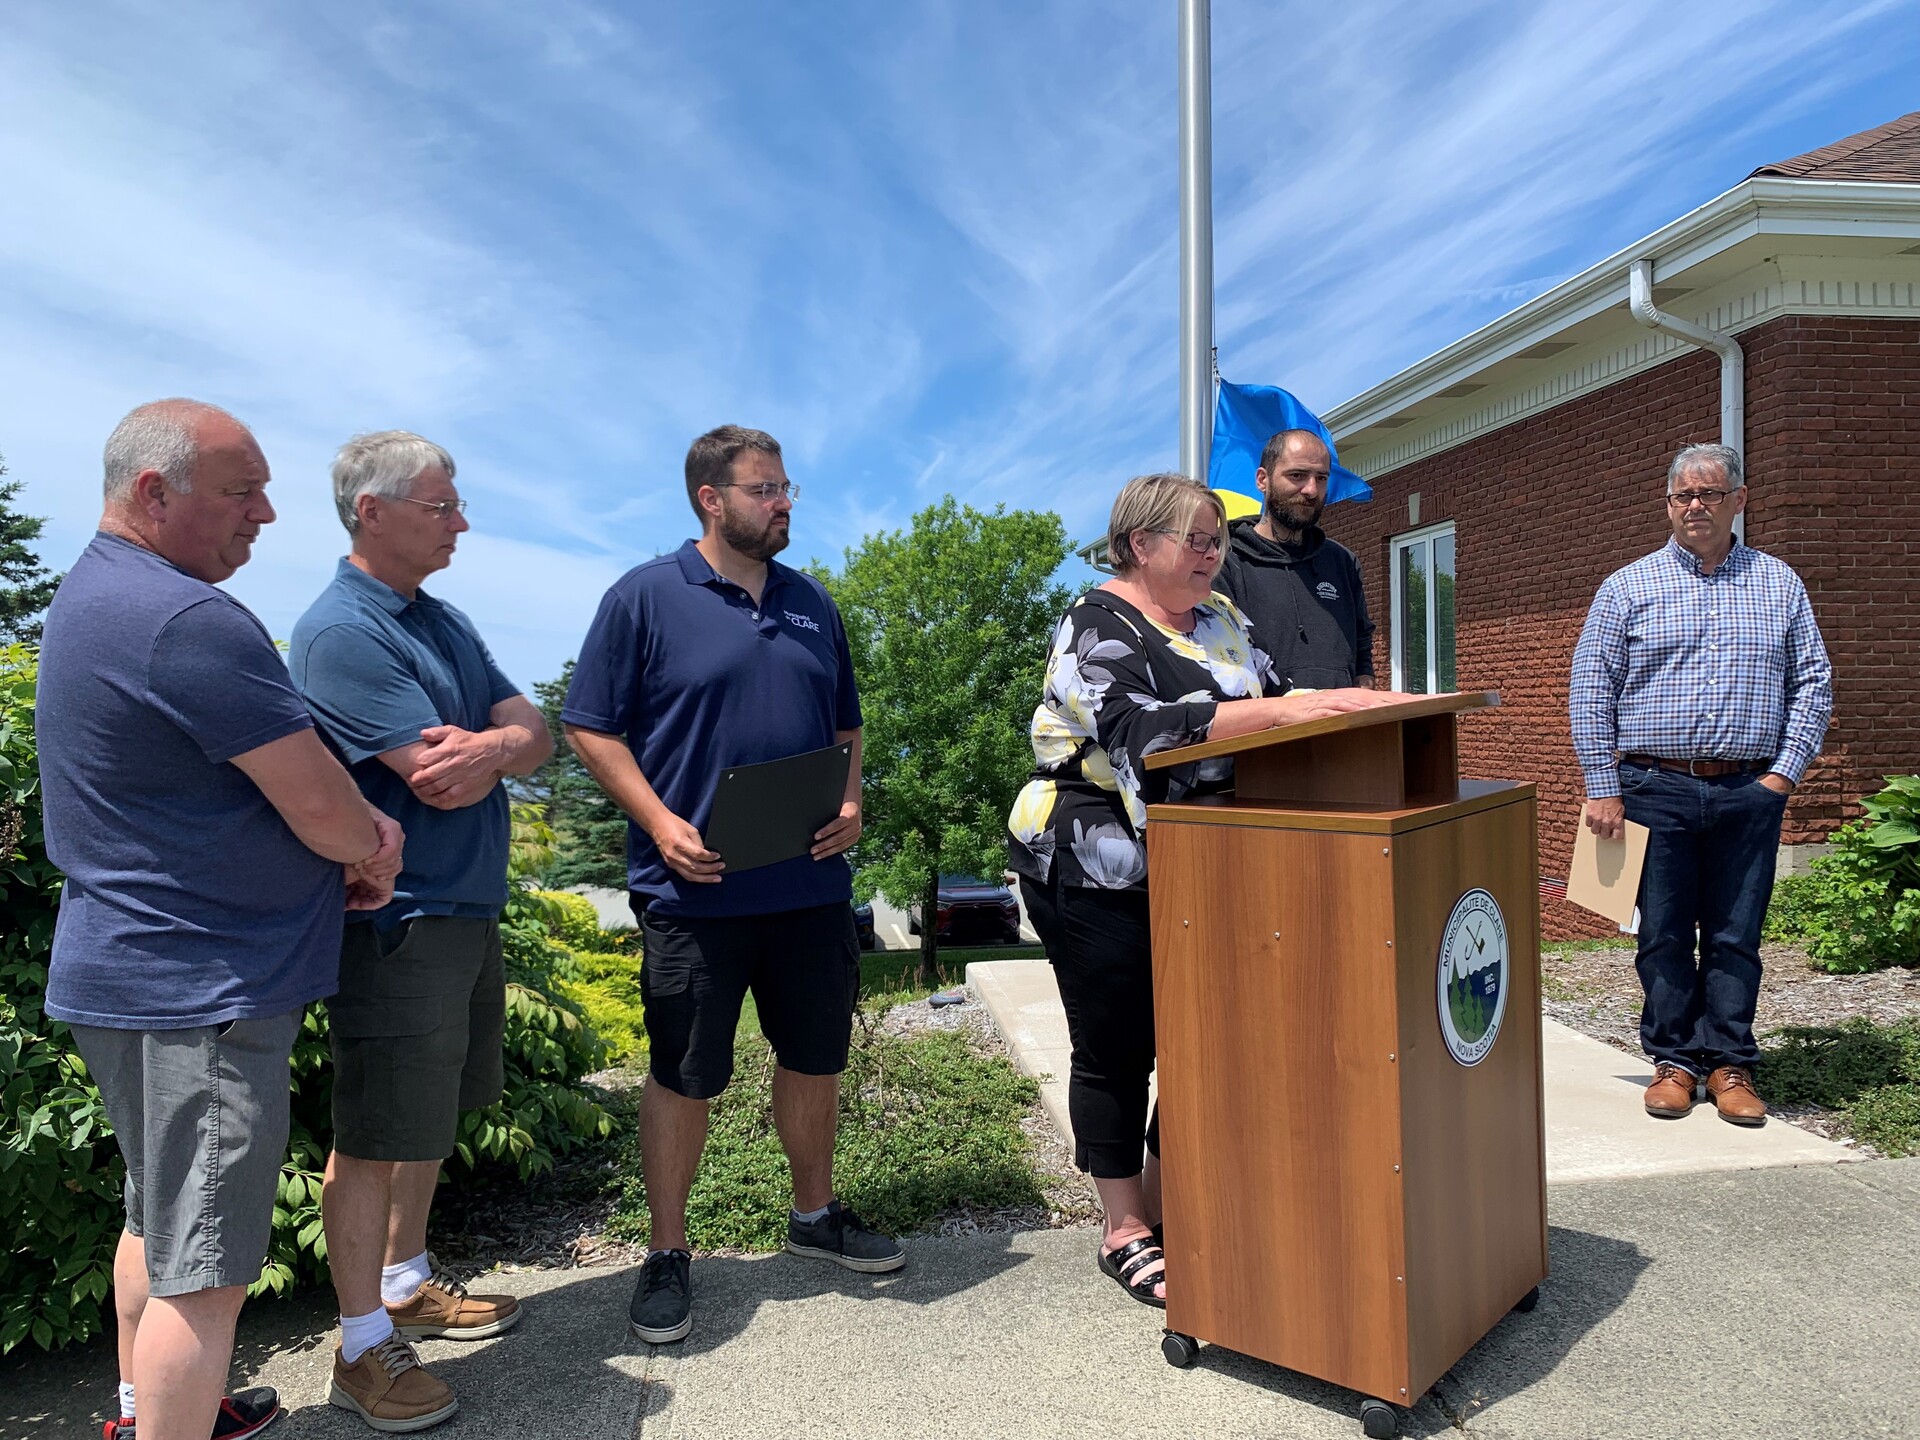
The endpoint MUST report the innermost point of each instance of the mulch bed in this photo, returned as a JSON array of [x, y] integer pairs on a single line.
[[1597, 992]]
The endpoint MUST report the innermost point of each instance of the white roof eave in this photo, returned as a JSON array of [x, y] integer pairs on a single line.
[[1768, 205]]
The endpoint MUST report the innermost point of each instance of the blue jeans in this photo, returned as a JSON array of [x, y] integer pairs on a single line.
[[1709, 865]]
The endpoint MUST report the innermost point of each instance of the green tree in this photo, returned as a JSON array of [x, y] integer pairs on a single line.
[[590, 831], [25, 586], [948, 623]]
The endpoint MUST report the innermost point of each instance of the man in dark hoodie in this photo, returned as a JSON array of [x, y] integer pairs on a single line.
[[1299, 588]]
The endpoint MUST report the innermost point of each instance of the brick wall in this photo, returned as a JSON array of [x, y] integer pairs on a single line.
[[1546, 507]]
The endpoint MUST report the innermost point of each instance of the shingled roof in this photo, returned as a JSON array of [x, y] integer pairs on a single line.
[[1886, 152]]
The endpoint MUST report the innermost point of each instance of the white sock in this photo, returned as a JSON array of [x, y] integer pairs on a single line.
[[813, 1215], [126, 1400], [399, 1283], [360, 1333]]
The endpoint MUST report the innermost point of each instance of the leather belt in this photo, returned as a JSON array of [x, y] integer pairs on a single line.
[[1701, 769]]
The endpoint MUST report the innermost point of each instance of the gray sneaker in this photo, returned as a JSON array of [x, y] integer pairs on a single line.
[[841, 1236]]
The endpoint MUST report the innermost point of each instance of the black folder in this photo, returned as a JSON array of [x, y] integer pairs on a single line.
[[766, 813]]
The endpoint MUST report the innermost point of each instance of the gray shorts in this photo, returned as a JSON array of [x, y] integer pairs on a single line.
[[201, 1117], [417, 1027]]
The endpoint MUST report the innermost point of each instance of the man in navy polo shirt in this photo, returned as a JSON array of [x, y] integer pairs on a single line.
[[402, 686], [202, 828], [709, 657]]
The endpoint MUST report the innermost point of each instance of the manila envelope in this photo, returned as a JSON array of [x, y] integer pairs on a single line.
[[1606, 873]]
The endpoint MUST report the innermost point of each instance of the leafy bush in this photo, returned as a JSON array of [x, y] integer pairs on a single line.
[[1869, 1072], [1791, 913], [571, 919], [1858, 908], [60, 1170], [59, 1167], [606, 987], [925, 1125]]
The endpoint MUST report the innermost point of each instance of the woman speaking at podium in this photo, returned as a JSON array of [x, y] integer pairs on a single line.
[[1152, 660]]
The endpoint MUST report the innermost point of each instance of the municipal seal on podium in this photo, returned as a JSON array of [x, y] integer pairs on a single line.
[[1472, 981]]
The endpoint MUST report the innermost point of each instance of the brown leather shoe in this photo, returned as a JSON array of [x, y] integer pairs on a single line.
[[1670, 1097], [442, 1307], [1731, 1089], [388, 1388]]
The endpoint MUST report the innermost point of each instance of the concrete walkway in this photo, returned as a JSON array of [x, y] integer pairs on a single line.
[[1760, 1304], [1596, 1127], [1705, 1280]]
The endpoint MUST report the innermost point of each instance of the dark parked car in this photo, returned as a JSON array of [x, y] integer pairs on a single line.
[[863, 927], [972, 912]]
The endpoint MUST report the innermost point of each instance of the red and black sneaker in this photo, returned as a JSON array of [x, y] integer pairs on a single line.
[[243, 1413]]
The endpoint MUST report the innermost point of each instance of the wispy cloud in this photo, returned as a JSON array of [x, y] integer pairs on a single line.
[[931, 246]]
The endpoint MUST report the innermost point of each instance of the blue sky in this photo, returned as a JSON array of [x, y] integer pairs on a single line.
[[931, 246]]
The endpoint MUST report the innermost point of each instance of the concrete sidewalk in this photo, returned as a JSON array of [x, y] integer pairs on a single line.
[[1768, 1303], [1596, 1126]]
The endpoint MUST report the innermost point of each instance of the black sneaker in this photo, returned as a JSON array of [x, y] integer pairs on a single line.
[[243, 1413], [840, 1236], [662, 1308]]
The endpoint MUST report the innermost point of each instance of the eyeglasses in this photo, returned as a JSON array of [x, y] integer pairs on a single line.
[[1199, 544], [1709, 498], [766, 491], [445, 509]]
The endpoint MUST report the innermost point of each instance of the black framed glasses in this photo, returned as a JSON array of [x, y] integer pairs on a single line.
[[1199, 544], [445, 509], [767, 490], [1712, 499]]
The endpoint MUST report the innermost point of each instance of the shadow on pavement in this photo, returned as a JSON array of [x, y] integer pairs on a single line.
[[1592, 1275], [729, 1290]]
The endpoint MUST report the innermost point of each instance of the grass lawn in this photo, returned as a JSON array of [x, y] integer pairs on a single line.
[[1869, 1072], [926, 1125]]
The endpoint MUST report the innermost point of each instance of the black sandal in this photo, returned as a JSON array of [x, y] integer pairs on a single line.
[[1125, 1265]]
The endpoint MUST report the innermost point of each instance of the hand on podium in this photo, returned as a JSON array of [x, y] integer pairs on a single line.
[[1319, 704]]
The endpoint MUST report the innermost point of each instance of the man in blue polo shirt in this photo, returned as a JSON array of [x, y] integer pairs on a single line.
[[709, 657], [403, 688], [202, 828]]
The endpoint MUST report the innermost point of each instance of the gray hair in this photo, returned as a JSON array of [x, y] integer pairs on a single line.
[[1156, 502], [383, 463], [1724, 456], [156, 436]]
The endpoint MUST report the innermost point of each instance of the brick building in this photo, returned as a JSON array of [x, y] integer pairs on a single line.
[[1516, 468]]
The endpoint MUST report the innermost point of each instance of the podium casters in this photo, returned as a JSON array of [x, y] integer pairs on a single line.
[[1527, 1301], [1377, 1420], [1181, 1350]]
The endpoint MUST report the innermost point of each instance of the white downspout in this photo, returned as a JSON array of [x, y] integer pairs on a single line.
[[1733, 364]]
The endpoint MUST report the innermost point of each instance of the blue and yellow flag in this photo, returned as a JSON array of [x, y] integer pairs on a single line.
[[1245, 417]]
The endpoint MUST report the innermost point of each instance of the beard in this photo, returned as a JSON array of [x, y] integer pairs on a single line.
[[1295, 515], [757, 542]]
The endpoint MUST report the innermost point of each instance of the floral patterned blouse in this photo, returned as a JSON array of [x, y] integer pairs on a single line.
[[1121, 687]]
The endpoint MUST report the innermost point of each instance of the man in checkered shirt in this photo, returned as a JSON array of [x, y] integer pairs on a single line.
[[1700, 694]]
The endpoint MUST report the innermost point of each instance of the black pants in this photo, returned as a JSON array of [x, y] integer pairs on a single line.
[[1098, 943]]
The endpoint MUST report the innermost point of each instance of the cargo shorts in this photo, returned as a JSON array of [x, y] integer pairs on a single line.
[[417, 1028]]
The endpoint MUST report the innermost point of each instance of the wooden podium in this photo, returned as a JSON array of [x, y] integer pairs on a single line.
[[1349, 1067]]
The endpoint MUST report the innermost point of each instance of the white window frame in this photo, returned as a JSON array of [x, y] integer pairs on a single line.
[[1424, 535]]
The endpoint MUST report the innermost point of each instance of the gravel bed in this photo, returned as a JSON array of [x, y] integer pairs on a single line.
[[1597, 992]]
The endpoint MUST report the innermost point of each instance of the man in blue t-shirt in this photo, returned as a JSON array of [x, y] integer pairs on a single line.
[[709, 657], [404, 689], [209, 844]]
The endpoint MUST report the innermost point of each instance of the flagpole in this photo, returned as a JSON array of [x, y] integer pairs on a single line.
[[1196, 237]]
